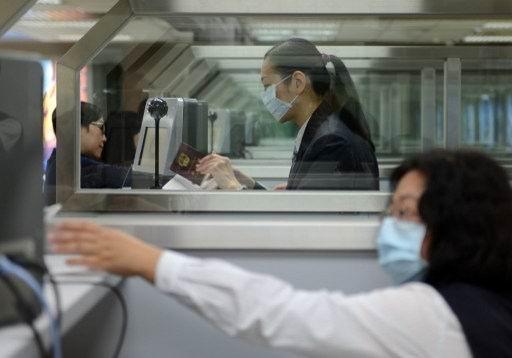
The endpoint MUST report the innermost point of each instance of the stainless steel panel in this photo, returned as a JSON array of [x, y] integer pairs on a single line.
[[68, 97], [452, 102], [224, 201], [68, 132], [428, 108], [98, 37], [11, 11], [248, 231], [361, 52], [325, 7]]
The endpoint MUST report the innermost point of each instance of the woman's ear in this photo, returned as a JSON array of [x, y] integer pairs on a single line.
[[299, 82]]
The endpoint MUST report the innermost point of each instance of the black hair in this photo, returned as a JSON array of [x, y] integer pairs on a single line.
[[88, 113], [339, 90], [120, 129], [467, 209]]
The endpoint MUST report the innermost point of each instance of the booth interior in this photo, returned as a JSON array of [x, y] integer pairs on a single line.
[[411, 76], [142, 92]]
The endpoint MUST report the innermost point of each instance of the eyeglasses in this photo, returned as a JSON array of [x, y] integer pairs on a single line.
[[402, 213], [100, 125]]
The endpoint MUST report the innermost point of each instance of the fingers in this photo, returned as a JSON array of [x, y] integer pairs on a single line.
[[212, 158], [215, 164], [281, 186], [210, 168], [76, 237], [65, 237], [77, 225], [90, 262], [209, 157], [76, 247], [206, 162]]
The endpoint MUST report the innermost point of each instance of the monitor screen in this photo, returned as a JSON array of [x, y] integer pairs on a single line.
[[147, 153], [21, 116]]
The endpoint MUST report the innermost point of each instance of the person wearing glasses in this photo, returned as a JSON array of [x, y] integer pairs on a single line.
[[93, 172], [446, 242], [333, 148]]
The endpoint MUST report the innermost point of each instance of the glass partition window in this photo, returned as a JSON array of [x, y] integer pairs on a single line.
[[486, 122], [233, 112], [217, 62]]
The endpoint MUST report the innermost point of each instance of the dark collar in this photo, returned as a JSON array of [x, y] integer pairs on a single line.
[[316, 120]]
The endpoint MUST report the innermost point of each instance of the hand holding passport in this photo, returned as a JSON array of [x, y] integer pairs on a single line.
[[185, 163]]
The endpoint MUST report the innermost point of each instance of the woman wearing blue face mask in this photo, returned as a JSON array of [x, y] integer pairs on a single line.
[[333, 149], [449, 219]]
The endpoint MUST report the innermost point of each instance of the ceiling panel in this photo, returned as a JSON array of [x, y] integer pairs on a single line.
[[68, 20]]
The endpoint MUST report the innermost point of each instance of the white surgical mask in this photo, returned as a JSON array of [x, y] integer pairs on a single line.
[[274, 105], [399, 243]]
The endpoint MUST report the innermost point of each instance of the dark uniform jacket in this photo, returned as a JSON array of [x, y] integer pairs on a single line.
[[93, 174], [485, 317], [332, 157]]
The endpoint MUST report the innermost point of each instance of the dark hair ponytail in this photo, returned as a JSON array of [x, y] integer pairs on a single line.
[[298, 54], [345, 100]]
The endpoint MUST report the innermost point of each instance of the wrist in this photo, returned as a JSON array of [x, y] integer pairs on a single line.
[[149, 263]]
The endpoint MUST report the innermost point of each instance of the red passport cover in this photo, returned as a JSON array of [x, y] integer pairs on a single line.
[[185, 163]]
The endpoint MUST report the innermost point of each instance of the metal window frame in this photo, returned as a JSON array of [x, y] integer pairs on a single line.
[[324, 7], [12, 11], [69, 66]]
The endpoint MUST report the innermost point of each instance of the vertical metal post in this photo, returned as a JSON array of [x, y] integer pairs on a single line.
[[396, 112], [452, 102], [157, 154], [385, 118], [428, 108]]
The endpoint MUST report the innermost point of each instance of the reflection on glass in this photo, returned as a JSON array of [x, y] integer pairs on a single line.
[[147, 155], [218, 60], [487, 112]]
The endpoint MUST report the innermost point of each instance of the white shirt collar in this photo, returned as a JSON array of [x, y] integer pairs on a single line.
[[300, 134]]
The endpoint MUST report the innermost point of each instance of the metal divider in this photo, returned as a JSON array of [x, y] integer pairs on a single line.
[[452, 102], [428, 108]]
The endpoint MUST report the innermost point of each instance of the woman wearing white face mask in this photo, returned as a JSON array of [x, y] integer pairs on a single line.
[[450, 227], [333, 149]]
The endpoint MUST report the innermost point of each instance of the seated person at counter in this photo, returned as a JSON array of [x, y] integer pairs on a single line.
[[447, 241], [93, 173], [122, 133], [333, 149]]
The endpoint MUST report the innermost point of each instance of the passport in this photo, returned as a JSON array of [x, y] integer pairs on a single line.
[[185, 163]]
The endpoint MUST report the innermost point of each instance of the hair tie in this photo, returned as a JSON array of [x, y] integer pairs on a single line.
[[326, 58]]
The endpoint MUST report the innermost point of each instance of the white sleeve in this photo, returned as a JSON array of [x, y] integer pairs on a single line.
[[408, 321]]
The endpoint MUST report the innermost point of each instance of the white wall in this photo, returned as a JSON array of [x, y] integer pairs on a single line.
[[160, 327]]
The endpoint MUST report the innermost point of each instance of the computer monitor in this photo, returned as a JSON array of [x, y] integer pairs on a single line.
[[21, 177], [21, 158], [228, 132], [185, 122]]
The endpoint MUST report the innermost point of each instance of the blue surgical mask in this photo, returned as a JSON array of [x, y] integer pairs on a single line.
[[274, 105], [399, 244]]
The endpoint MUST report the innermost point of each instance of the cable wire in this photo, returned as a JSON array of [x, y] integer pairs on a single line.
[[24, 311], [124, 308], [7, 266], [43, 270]]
